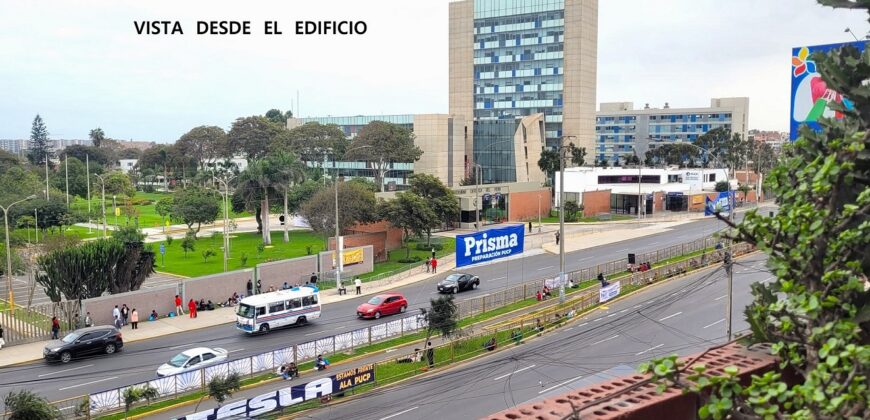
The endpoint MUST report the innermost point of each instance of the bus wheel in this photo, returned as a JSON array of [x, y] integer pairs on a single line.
[[264, 328], [301, 321]]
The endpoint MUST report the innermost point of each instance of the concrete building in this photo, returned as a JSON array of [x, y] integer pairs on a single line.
[[621, 130], [659, 189], [127, 165], [440, 136], [20, 147], [511, 59]]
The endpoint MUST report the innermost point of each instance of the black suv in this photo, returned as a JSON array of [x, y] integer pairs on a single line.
[[458, 282], [83, 342]]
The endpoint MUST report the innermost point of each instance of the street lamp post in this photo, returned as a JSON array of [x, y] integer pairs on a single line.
[[478, 177], [225, 182], [339, 245], [562, 150], [9, 252], [103, 186]]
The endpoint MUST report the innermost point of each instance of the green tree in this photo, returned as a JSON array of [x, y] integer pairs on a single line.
[[196, 205], [257, 184], [411, 213], [276, 116], [571, 210], [439, 199], [722, 186], [222, 387], [442, 317], [289, 172], [203, 143], [188, 244], [314, 143], [8, 160], [17, 262], [137, 263], [815, 312], [119, 183], [27, 405], [602, 162], [356, 204], [137, 393], [157, 157], [745, 189], [78, 177], [40, 147], [97, 136], [384, 144], [252, 137], [164, 207], [96, 157], [548, 162], [207, 253], [51, 214]]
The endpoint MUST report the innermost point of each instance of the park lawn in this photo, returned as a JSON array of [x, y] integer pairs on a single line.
[[82, 232], [393, 264], [147, 214], [193, 264]]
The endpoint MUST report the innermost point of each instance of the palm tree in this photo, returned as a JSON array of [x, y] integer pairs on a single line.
[[26, 405], [289, 171], [258, 181]]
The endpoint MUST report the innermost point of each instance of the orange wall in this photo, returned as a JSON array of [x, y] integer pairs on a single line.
[[524, 205], [595, 202]]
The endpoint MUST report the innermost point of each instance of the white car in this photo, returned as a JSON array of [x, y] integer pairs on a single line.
[[192, 359]]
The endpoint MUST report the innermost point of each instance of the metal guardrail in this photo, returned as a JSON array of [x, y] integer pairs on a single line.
[[172, 386]]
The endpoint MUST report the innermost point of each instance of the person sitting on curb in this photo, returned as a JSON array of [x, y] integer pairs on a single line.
[[491, 344], [321, 363], [153, 316], [517, 336], [412, 358], [289, 371]]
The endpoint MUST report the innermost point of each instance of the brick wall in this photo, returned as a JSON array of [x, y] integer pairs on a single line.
[[658, 201], [393, 235], [596, 202], [524, 205]]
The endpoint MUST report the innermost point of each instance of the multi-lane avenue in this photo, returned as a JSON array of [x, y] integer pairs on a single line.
[[139, 360]]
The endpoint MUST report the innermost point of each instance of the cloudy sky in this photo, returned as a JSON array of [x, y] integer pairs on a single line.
[[82, 65]]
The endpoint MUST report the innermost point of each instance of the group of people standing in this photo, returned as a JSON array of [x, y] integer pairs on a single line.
[[123, 316]]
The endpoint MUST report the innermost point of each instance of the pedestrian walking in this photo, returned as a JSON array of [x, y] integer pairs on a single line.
[[134, 319], [192, 307], [430, 354], [2, 341], [259, 286], [250, 287], [433, 252], [428, 264], [179, 310], [89, 322], [55, 327], [118, 323], [116, 313], [125, 313], [77, 321], [434, 265], [358, 283], [557, 238], [530, 226]]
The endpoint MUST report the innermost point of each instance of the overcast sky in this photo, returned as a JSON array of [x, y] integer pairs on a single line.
[[81, 64]]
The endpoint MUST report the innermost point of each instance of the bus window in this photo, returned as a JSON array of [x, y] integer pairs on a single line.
[[276, 307], [261, 310], [295, 303], [306, 301], [314, 299]]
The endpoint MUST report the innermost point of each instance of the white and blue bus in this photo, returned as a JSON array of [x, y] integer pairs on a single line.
[[263, 312]]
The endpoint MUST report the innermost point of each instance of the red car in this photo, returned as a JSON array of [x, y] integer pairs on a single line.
[[384, 304]]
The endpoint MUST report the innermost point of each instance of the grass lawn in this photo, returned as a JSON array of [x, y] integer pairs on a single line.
[[148, 216], [393, 264], [246, 243]]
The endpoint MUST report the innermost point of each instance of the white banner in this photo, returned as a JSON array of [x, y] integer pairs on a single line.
[[608, 292]]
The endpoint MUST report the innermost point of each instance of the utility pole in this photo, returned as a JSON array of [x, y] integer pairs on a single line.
[[66, 169], [103, 184], [46, 177], [729, 260], [9, 252], [539, 212], [562, 151], [88, 176]]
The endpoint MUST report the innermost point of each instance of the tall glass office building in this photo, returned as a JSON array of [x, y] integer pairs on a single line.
[[515, 58]]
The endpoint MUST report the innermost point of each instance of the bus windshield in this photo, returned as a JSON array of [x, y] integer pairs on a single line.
[[245, 311]]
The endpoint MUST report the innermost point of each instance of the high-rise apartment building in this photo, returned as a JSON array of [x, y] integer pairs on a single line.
[[621, 130], [512, 59]]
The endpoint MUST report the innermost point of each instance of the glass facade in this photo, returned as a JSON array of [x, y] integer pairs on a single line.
[[399, 172], [518, 67], [617, 135]]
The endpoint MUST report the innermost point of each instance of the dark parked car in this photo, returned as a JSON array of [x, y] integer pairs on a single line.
[[458, 282], [84, 342]]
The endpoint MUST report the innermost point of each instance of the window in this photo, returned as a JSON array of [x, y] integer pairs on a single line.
[[294, 303], [193, 361], [91, 336], [276, 307], [307, 301], [712, 178], [208, 356], [261, 310]]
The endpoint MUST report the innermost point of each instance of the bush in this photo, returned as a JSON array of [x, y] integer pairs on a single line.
[[424, 247], [141, 201], [413, 259], [243, 259], [148, 188]]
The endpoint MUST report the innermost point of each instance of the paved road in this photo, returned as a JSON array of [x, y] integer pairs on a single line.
[[139, 360], [682, 316]]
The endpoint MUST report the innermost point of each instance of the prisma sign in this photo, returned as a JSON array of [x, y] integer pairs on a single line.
[[286, 397], [489, 245]]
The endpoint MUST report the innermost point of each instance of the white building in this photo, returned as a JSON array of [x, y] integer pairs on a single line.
[[127, 165]]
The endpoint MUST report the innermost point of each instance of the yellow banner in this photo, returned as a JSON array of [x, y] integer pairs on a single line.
[[349, 257]]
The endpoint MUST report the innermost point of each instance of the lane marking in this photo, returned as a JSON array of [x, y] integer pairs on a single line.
[[569, 329], [314, 333], [544, 268], [721, 297], [62, 371], [583, 324], [390, 350], [400, 413], [710, 325], [596, 319], [88, 383], [637, 306], [497, 278], [648, 350], [516, 371], [606, 339], [178, 347], [558, 385], [233, 351], [608, 316], [670, 316], [624, 310]]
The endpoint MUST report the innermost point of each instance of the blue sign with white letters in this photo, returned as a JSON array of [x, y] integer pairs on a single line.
[[162, 249], [488, 245], [722, 203]]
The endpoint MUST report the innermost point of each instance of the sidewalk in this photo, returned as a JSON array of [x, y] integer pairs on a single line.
[[165, 326]]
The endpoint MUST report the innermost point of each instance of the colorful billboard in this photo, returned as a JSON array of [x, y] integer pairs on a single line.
[[810, 95]]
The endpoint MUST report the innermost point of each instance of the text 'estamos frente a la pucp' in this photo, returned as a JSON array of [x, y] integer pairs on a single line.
[[244, 27]]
